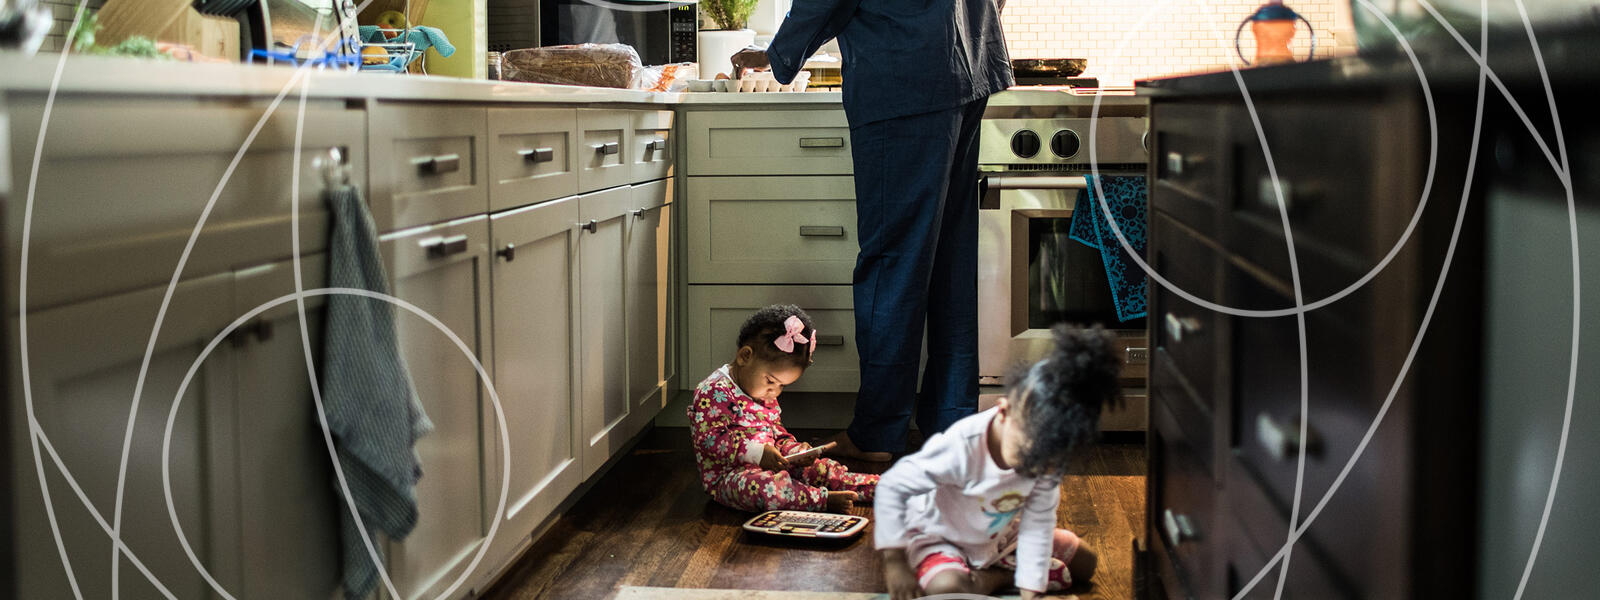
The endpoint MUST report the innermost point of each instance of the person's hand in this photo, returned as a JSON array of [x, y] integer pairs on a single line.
[[802, 461], [1031, 595], [772, 459], [898, 575], [751, 57]]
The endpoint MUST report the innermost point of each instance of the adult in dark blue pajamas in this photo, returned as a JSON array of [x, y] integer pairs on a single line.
[[917, 75]]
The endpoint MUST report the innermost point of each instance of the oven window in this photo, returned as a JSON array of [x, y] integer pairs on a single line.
[[1066, 279]]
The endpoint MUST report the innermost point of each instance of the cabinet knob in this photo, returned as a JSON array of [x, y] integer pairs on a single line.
[[440, 247], [509, 252], [638, 213], [591, 226], [607, 148], [1177, 326], [438, 165], [1179, 528], [656, 145], [1282, 441], [538, 155]]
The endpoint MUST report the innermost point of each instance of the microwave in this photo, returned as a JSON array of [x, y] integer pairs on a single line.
[[661, 31]]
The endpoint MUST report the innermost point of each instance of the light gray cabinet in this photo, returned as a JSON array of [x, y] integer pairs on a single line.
[[649, 306], [85, 361], [532, 156], [602, 334], [716, 312], [762, 230], [427, 163], [603, 156], [651, 151], [443, 270], [751, 142], [535, 305]]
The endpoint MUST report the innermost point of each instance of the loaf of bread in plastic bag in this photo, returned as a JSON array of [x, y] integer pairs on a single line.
[[600, 65]]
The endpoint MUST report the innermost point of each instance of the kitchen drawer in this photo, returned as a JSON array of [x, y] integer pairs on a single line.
[[651, 151], [427, 163], [714, 314], [1181, 493], [602, 138], [1185, 333], [771, 229], [531, 155], [113, 213], [1192, 416], [1255, 532], [1189, 166], [768, 142]]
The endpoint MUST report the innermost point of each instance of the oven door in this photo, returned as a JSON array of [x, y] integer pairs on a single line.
[[1032, 275], [646, 25]]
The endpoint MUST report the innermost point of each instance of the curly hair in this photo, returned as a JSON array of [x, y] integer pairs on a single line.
[[759, 331], [1061, 396]]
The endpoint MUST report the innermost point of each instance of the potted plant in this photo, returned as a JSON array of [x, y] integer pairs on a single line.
[[731, 17]]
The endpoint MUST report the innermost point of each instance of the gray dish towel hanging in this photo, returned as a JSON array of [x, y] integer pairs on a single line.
[[372, 407]]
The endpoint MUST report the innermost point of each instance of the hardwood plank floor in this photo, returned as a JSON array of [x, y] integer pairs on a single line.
[[648, 523]]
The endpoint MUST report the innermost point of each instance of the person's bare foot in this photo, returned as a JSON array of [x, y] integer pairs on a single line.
[[841, 502], [987, 581], [848, 449]]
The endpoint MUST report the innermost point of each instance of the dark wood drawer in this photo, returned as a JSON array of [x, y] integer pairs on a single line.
[[1182, 493], [1188, 163], [1255, 531], [1184, 332]]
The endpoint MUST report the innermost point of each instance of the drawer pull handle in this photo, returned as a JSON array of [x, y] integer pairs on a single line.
[[440, 247], [1177, 327], [821, 231], [438, 165], [822, 142], [607, 149], [1282, 441], [830, 340], [1136, 355], [656, 145], [591, 226], [1175, 163], [1179, 528], [538, 155], [509, 252], [638, 213]]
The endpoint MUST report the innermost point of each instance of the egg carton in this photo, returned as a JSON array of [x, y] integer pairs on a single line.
[[752, 82]]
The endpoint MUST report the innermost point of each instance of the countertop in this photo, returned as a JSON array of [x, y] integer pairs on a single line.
[[112, 75]]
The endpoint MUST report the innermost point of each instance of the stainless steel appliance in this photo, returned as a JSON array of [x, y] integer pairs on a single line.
[[661, 31], [1033, 152]]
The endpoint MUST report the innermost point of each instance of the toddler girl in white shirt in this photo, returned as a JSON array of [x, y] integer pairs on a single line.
[[976, 506]]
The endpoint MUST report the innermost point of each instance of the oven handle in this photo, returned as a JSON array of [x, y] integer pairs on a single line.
[[988, 183]]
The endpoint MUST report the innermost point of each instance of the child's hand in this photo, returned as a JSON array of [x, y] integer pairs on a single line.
[[772, 459], [897, 574], [1031, 595]]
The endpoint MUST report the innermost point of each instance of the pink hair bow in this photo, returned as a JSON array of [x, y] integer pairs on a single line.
[[793, 333]]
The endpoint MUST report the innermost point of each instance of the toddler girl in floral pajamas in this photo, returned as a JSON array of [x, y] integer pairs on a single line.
[[739, 444]]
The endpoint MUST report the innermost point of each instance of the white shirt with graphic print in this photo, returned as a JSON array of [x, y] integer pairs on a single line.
[[952, 490]]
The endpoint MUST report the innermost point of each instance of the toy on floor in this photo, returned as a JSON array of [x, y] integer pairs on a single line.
[[797, 523], [810, 453]]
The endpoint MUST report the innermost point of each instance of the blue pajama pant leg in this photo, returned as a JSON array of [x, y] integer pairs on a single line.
[[912, 230]]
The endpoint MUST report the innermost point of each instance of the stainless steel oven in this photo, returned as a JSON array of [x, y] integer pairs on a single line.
[[1033, 154]]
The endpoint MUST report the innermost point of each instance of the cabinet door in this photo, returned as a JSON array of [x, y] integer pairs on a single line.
[[534, 308], [601, 338], [650, 153], [714, 314], [806, 230], [84, 364], [649, 244], [602, 142], [443, 270], [427, 163], [288, 498], [531, 156], [768, 142]]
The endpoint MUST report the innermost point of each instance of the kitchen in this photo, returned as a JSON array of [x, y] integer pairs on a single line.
[[1357, 367]]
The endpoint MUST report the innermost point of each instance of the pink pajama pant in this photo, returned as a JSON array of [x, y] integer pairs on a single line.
[[800, 488]]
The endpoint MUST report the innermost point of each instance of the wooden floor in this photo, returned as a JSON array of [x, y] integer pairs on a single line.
[[648, 523]]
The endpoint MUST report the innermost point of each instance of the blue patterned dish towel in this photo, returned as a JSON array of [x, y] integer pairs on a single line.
[[1125, 196]]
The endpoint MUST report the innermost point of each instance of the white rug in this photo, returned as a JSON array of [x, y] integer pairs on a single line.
[[629, 592]]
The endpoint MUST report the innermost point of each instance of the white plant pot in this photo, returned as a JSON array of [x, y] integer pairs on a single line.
[[717, 48]]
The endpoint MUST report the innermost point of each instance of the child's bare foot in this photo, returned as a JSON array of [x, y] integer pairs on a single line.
[[987, 581], [841, 502], [849, 449]]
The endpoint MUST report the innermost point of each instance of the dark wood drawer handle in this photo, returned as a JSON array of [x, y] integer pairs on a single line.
[[438, 165], [607, 148], [440, 247], [830, 340], [821, 231], [1178, 528], [822, 142], [1282, 441], [538, 155], [1177, 327]]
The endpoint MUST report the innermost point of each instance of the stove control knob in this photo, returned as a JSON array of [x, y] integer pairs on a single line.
[[1025, 143], [1066, 143]]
